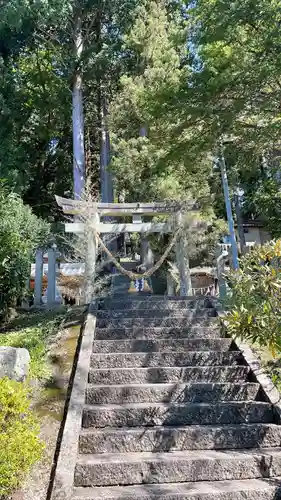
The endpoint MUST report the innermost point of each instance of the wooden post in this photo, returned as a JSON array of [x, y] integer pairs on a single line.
[[52, 262], [38, 277], [183, 261]]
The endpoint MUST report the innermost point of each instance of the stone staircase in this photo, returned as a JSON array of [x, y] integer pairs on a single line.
[[121, 283], [171, 411]]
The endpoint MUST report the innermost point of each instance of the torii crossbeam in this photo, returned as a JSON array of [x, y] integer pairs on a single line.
[[90, 211]]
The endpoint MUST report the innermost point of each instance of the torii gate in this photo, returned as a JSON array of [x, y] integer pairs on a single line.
[[94, 211]]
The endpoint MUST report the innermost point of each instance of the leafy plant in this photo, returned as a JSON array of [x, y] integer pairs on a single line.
[[20, 446], [35, 337], [20, 233], [255, 302]]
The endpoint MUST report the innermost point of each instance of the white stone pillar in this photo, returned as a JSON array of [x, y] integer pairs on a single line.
[[52, 265], [91, 257], [183, 260], [170, 285], [220, 274], [38, 277], [147, 256]]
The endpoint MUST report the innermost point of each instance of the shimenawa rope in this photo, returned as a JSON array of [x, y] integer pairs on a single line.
[[148, 273]]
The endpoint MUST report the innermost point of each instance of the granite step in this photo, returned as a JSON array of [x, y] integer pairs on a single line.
[[168, 393], [166, 374], [247, 489], [169, 345], [157, 359], [197, 465], [156, 332], [154, 313], [165, 439], [176, 414], [157, 305], [176, 322], [128, 299]]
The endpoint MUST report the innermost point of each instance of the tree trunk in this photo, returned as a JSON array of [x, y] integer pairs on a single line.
[[239, 223], [143, 132], [105, 174], [77, 114], [183, 260], [147, 256], [234, 250]]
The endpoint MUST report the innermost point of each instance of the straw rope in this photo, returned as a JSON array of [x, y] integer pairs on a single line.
[[148, 273]]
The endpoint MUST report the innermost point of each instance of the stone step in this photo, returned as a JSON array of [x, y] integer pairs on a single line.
[[168, 393], [120, 279], [247, 489], [122, 293], [156, 332], [169, 374], [176, 322], [146, 415], [121, 288], [197, 465], [157, 359], [168, 345], [154, 313], [156, 305], [129, 298], [194, 437]]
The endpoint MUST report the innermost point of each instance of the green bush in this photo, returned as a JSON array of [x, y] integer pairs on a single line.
[[37, 332], [255, 303], [20, 233], [20, 446]]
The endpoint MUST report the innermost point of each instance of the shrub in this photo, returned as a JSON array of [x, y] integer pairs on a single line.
[[255, 303], [20, 233], [35, 336], [20, 446]]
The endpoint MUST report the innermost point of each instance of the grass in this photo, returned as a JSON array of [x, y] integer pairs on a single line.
[[28, 409], [34, 331], [271, 364], [20, 444]]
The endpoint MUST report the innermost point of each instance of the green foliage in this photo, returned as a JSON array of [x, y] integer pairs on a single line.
[[36, 111], [238, 49], [235, 93], [37, 68], [34, 332], [157, 45], [187, 73], [256, 296], [160, 165], [20, 233], [264, 200], [20, 446]]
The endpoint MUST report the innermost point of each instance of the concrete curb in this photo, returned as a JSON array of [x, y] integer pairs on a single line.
[[270, 392], [64, 473]]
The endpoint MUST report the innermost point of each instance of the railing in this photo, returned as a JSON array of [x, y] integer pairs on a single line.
[[173, 288], [209, 290], [216, 289]]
